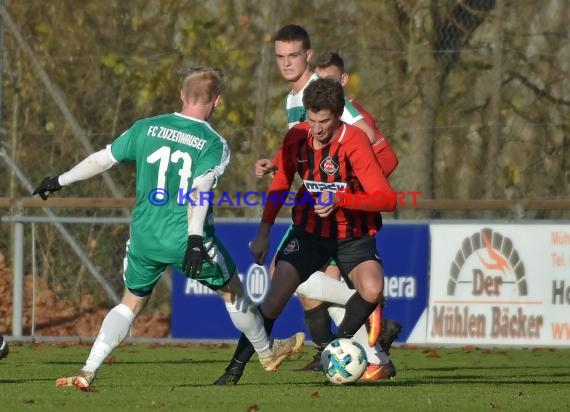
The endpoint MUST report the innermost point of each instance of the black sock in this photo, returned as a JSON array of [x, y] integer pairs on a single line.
[[267, 323], [318, 322], [244, 350], [357, 311]]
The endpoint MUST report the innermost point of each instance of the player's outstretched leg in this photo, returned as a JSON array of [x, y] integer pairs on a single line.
[[82, 380], [114, 330], [280, 350]]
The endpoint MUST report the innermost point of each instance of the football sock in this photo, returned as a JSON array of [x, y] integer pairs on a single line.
[[357, 311], [336, 313], [374, 354], [244, 350], [321, 287], [114, 330], [248, 320], [381, 355], [267, 323], [318, 322]]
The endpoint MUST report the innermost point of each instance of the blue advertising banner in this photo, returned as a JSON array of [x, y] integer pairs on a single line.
[[405, 253], [198, 313]]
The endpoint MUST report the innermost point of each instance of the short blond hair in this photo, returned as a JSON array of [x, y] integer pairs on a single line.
[[202, 85]]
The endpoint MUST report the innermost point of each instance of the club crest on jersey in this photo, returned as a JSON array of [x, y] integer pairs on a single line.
[[292, 246], [329, 166]]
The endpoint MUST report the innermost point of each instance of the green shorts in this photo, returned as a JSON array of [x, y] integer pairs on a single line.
[[141, 273]]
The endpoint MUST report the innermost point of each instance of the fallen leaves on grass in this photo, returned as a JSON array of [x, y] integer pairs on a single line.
[[431, 353], [407, 346]]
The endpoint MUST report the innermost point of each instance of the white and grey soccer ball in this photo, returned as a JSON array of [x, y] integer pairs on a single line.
[[343, 361]]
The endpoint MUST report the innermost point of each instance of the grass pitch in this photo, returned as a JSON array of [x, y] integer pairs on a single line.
[[178, 378]]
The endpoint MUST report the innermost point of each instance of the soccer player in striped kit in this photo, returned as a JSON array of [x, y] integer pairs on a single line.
[[293, 55], [324, 151]]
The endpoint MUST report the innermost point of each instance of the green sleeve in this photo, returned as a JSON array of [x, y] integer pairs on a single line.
[[350, 115], [123, 147]]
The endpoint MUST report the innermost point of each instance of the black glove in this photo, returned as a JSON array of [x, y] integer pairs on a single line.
[[195, 256], [49, 185]]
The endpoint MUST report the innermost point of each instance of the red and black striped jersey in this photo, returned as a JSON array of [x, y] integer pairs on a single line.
[[347, 163]]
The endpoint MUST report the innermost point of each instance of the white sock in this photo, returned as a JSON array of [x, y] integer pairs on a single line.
[[247, 319], [375, 354], [321, 287], [381, 355], [114, 330], [336, 313]]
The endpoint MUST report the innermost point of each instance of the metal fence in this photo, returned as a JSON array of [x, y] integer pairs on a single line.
[[48, 300]]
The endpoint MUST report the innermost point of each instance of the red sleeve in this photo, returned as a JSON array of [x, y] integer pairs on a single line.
[[378, 195], [367, 116], [286, 162], [277, 155], [386, 155], [384, 152]]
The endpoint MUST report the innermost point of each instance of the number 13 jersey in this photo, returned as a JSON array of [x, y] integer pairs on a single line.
[[170, 151]]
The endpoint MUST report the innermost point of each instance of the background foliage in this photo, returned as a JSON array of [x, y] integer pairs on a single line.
[[477, 87], [473, 94]]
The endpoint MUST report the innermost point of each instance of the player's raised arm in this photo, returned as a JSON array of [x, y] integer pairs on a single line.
[[94, 164]]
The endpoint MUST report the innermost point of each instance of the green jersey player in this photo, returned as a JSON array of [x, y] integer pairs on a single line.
[[178, 158]]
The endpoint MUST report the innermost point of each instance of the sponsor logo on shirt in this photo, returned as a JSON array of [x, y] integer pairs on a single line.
[[314, 186]]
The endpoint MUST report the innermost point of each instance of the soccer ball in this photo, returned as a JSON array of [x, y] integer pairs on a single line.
[[343, 361]]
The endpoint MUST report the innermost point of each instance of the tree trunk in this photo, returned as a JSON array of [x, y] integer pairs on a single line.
[[271, 11], [492, 170]]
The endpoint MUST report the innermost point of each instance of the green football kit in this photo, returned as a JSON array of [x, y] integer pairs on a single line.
[[170, 152]]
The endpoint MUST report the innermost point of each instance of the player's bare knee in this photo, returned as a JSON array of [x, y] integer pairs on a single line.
[[371, 290]]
